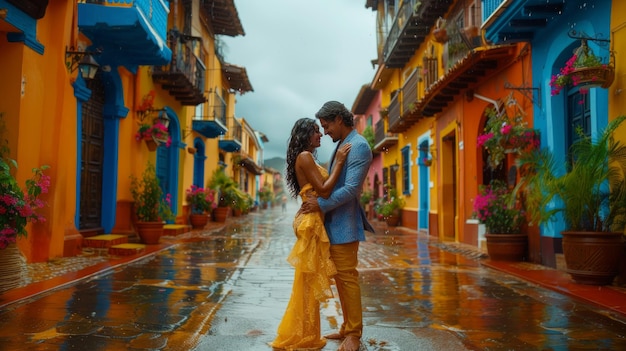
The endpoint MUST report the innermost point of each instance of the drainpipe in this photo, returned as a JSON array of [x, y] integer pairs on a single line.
[[491, 101]]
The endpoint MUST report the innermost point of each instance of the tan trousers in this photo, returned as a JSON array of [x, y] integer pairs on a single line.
[[347, 279]]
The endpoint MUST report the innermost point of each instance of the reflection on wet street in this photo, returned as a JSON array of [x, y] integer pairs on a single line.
[[227, 290]]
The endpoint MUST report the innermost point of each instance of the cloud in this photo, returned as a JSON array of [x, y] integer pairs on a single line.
[[299, 54]]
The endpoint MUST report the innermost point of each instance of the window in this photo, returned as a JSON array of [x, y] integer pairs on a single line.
[[406, 168], [385, 182]]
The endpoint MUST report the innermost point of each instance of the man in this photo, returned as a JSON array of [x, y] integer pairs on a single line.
[[344, 219]]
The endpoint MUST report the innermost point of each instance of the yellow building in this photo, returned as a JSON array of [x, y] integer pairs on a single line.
[[157, 61], [432, 108]]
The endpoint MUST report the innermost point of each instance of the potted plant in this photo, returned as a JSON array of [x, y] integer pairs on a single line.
[[225, 188], [18, 207], [584, 70], [151, 207], [202, 201], [498, 208], [506, 133], [440, 33], [266, 196], [591, 198], [154, 134], [391, 208]]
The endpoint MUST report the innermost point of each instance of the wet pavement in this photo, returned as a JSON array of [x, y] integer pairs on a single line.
[[226, 289]]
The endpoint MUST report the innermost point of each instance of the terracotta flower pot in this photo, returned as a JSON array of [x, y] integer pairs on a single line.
[[149, 232], [220, 214], [507, 247], [592, 258], [392, 220], [198, 221], [151, 144]]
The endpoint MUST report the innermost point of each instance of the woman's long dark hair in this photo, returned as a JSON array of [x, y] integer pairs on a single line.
[[299, 141]]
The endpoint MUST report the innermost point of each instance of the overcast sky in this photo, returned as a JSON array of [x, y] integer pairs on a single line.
[[299, 54]]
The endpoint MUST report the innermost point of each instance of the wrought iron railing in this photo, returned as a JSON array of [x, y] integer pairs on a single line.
[[489, 7], [395, 111], [218, 109], [409, 91], [402, 19]]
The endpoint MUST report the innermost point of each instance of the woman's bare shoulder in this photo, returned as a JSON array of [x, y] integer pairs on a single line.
[[305, 155]]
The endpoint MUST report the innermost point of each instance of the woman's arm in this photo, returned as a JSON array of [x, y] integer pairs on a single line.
[[305, 165]]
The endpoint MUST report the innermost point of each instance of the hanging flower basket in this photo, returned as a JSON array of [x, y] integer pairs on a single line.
[[583, 70], [154, 135], [593, 77]]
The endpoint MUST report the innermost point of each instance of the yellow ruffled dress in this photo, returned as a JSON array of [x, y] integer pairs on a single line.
[[300, 326]]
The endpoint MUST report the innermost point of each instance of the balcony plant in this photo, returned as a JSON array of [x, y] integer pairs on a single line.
[[583, 70], [504, 133], [500, 210], [151, 207], [591, 198]]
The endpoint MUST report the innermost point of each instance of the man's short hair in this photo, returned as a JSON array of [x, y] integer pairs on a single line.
[[331, 109]]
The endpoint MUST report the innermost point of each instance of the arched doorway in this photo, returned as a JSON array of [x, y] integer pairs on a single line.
[[92, 145]]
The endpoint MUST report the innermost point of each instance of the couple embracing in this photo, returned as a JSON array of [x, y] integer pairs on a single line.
[[328, 228]]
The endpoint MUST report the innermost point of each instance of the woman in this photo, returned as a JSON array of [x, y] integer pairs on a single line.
[[300, 326]]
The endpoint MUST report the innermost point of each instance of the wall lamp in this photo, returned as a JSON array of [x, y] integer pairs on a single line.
[[395, 167], [83, 60]]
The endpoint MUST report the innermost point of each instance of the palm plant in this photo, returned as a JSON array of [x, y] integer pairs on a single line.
[[591, 195]]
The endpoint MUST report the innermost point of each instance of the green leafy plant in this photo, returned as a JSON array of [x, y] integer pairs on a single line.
[[496, 207], [266, 194], [368, 134], [150, 203], [18, 206], [392, 205], [226, 188], [366, 197], [591, 194]]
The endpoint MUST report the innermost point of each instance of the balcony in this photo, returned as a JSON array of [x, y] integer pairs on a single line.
[[215, 124], [411, 26], [130, 33], [245, 161], [222, 17], [231, 141], [410, 91], [511, 21], [462, 77], [382, 139], [184, 76], [237, 78]]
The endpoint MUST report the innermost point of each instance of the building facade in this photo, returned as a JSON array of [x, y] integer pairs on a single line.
[[158, 63]]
